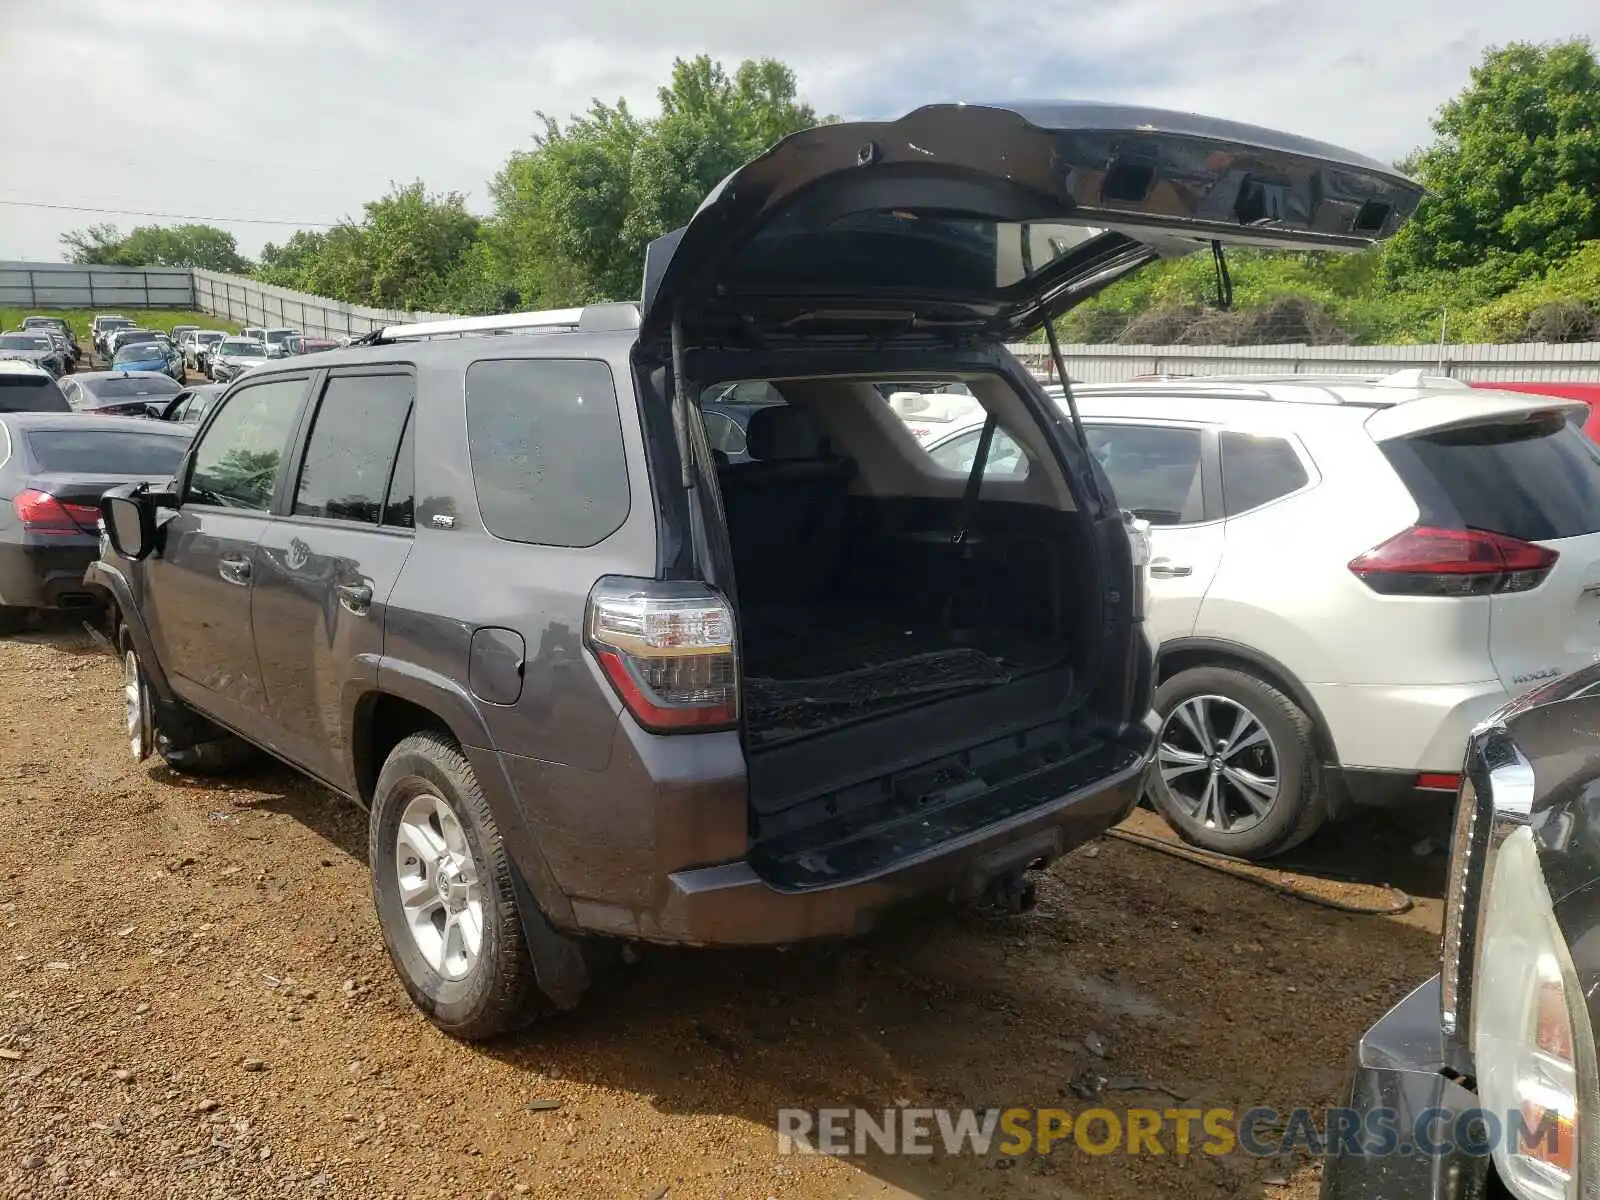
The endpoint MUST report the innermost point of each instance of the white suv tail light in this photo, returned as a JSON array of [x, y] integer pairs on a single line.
[[1425, 561], [668, 650]]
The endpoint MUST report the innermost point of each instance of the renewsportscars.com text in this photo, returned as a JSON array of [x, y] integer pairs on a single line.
[[1262, 1132]]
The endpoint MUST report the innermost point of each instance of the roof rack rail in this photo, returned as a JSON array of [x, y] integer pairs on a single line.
[[608, 317]]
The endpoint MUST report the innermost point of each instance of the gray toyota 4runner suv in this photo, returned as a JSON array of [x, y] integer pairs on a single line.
[[593, 681]]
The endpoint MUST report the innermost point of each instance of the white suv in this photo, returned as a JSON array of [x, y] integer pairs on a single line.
[[1347, 574]]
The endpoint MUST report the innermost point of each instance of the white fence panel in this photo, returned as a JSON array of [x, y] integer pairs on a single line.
[[68, 285], [251, 302], [1575, 362]]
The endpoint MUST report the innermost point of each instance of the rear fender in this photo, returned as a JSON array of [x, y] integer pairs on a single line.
[[558, 961]]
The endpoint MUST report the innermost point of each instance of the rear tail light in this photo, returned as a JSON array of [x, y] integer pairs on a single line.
[[40, 512], [1425, 561], [1437, 781], [668, 650]]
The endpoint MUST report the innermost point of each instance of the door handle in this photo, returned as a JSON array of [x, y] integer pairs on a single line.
[[1164, 568], [354, 598], [234, 570]]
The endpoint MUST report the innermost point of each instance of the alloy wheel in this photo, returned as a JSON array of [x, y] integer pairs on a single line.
[[1219, 763], [133, 704], [439, 887]]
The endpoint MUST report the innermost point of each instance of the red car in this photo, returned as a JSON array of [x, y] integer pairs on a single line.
[[1589, 393]]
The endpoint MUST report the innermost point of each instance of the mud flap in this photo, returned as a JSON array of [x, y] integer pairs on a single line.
[[559, 964]]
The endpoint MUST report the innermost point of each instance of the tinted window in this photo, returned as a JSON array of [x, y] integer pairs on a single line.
[[119, 387], [901, 248], [350, 453], [1005, 456], [106, 452], [237, 462], [139, 352], [1256, 470], [24, 341], [1155, 472], [31, 393], [1537, 480], [546, 444], [400, 508]]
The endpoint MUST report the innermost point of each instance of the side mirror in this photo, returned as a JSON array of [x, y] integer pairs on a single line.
[[130, 522], [155, 410]]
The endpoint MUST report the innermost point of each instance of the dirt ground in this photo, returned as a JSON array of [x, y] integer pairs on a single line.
[[194, 1001]]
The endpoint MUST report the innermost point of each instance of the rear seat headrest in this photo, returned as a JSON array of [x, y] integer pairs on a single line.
[[780, 432]]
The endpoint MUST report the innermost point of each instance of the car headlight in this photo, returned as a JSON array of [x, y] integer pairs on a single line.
[[1531, 1038]]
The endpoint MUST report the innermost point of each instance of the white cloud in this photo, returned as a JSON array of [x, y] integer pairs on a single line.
[[304, 109]]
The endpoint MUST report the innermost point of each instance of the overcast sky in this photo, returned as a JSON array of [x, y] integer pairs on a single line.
[[300, 110]]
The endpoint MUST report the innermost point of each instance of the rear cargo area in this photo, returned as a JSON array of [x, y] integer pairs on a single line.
[[911, 654]]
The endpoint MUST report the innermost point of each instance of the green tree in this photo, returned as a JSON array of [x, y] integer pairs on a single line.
[[576, 212], [286, 265], [96, 245], [414, 241], [191, 245], [1515, 167]]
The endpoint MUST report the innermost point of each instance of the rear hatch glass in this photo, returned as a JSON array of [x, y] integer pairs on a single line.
[[106, 452], [30, 393], [1536, 480]]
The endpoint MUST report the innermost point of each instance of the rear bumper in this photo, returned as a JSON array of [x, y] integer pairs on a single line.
[[1399, 1082], [47, 572], [1404, 729], [730, 905]]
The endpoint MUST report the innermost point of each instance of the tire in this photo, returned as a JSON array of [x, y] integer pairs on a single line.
[[12, 619], [1276, 736], [427, 785], [138, 715]]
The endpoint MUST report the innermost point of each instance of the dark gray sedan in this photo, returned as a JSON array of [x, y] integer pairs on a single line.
[[36, 347], [53, 469], [119, 393]]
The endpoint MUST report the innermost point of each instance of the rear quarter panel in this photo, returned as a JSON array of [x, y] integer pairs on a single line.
[[462, 578], [1284, 585]]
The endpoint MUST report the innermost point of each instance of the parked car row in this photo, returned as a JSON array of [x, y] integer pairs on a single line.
[[214, 353], [56, 325]]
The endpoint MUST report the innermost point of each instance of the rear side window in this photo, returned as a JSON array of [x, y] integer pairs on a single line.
[[31, 393], [1154, 470], [106, 452], [350, 454], [545, 438], [1537, 480], [1257, 471], [400, 508]]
